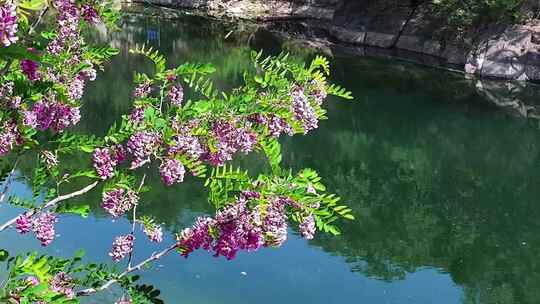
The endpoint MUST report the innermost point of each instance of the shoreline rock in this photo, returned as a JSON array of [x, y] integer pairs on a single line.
[[511, 53]]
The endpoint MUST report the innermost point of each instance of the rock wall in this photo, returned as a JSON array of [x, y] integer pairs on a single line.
[[493, 51]]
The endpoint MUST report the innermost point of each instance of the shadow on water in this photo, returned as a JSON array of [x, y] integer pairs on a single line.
[[441, 174]]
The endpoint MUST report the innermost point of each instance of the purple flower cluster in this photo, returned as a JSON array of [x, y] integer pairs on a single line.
[[119, 201], [172, 171], [245, 140], [136, 116], [105, 159], [123, 300], [229, 140], [307, 227], [122, 246], [68, 23], [14, 102], [76, 88], [89, 73], [32, 281], [154, 233], [141, 146], [119, 153], [238, 228], [185, 143], [237, 231], [103, 163], [318, 92], [176, 94], [6, 95], [275, 124], [6, 89], [62, 283], [303, 111], [142, 90], [43, 227], [30, 69], [90, 14], [23, 224], [9, 137], [275, 223], [8, 24], [48, 113], [198, 236]]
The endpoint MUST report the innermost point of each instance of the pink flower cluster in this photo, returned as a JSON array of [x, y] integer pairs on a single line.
[[106, 159], [68, 23], [172, 171], [142, 90], [6, 95], [49, 113], [119, 201], [141, 146], [62, 283], [6, 89], [185, 143], [318, 92], [42, 226], [122, 246], [176, 94], [9, 137], [307, 227], [8, 24], [90, 14], [303, 111], [237, 227], [123, 300], [30, 69], [76, 87], [274, 124], [275, 223], [153, 232], [136, 116], [228, 140]]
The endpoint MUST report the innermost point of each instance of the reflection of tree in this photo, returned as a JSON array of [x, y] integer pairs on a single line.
[[436, 177], [432, 187], [195, 40]]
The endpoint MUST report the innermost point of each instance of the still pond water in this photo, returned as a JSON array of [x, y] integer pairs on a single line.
[[444, 187]]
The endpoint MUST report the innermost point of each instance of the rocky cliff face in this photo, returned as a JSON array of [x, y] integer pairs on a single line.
[[511, 52]]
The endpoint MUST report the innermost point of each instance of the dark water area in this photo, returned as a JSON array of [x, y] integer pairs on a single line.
[[443, 183]]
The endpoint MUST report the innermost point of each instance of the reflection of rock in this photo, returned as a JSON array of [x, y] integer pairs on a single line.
[[415, 26], [320, 9], [504, 56], [510, 96]]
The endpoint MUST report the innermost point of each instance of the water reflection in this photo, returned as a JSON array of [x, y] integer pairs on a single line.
[[442, 182], [437, 179]]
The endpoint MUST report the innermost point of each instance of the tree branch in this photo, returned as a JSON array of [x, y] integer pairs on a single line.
[[108, 284], [50, 204]]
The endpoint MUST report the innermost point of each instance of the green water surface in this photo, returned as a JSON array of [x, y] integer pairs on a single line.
[[444, 186]]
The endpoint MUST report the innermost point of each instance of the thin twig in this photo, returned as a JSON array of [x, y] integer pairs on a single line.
[[8, 181], [38, 21], [108, 284], [135, 221], [50, 204]]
